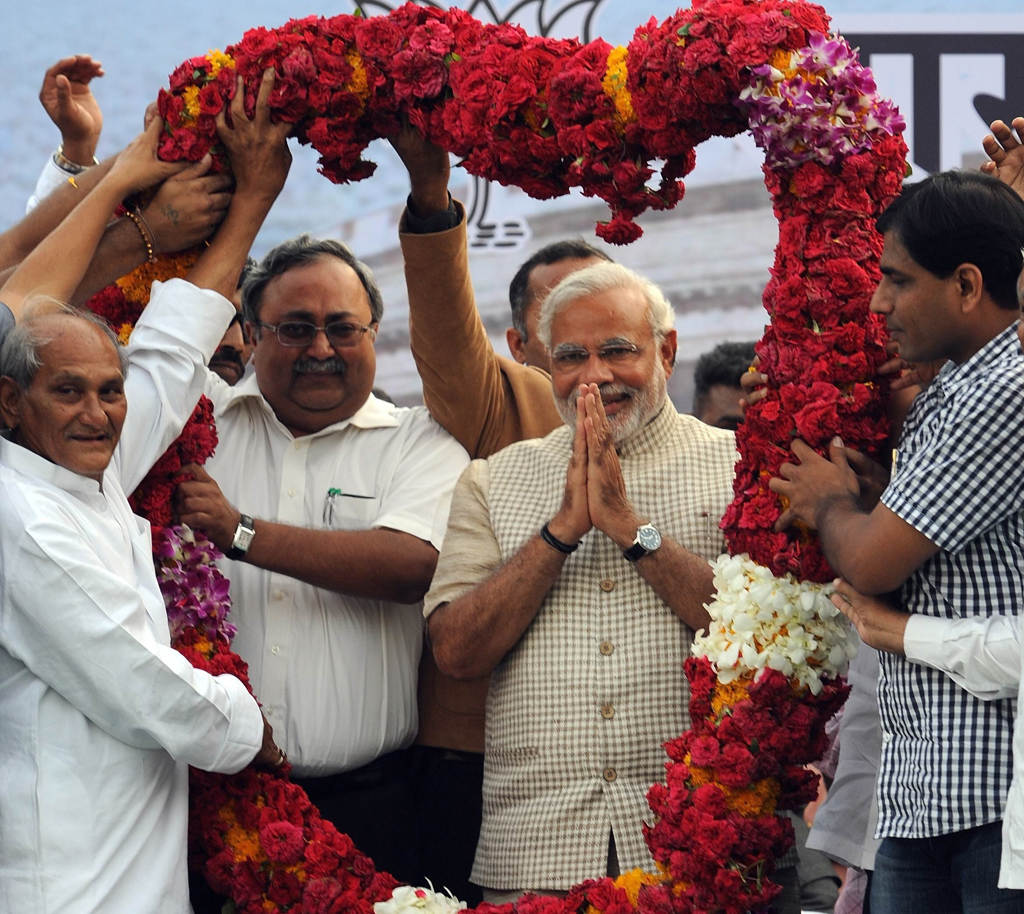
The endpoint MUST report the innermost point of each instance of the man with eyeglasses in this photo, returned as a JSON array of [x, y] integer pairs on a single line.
[[332, 505], [574, 573]]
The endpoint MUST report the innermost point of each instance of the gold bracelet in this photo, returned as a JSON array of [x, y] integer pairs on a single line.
[[137, 219]]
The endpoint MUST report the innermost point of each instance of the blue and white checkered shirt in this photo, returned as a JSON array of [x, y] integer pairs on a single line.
[[958, 478]]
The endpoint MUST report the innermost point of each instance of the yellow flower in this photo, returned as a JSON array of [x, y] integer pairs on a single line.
[[124, 334], [136, 285], [614, 85], [357, 83], [632, 882], [191, 96], [752, 802], [729, 694], [219, 61]]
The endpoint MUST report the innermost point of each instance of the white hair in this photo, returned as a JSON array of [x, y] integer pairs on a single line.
[[599, 278]]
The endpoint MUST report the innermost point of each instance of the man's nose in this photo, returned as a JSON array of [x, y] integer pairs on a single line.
[[92, 413], [880, 303], [596, 371], [321, 347]]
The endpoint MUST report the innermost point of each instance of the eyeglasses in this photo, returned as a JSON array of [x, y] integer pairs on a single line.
[[570, 358], [340, 334]]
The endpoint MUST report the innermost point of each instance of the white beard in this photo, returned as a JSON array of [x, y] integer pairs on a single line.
[[644, 405]]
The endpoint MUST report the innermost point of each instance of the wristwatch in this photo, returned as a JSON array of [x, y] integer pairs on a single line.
[[647, 540], [244, 534]]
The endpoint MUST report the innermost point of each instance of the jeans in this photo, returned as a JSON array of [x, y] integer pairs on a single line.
[[949, 874]]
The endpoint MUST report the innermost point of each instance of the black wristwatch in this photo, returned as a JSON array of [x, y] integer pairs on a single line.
[[647, 540], [244, 533]]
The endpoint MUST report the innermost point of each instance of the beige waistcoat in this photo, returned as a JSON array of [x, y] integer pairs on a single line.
[[580, 707]]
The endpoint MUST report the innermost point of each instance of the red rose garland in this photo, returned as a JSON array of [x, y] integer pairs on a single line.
[[548, 115]]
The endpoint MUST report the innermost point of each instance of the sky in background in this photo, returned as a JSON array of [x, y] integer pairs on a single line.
[[140, 43]]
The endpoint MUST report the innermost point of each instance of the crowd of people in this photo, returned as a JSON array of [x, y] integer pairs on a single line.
[[466, 621]]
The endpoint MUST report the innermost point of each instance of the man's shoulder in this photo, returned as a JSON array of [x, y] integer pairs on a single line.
[[556, 442], [28, 502]]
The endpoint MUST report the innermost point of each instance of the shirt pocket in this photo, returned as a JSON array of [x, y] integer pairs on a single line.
[[344, 511]]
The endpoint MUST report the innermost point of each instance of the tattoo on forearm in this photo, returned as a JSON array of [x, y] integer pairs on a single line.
[[171, 213]]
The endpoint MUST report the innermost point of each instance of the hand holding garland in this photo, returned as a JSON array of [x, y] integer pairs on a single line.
[[879, 625]]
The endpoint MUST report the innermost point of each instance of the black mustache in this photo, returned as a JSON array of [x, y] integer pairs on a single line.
[[228, 354], [332, 365]]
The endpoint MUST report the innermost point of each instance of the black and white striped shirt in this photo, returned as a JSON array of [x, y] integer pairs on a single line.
[[958, 478]]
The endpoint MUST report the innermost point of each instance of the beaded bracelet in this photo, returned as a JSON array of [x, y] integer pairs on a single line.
[[140, 224]]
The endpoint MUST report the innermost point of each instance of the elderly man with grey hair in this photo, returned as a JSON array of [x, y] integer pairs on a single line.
[[574, 574]]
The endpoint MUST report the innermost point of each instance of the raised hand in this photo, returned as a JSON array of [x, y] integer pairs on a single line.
[[1006, 154], [258, 148], [573, 518], [187, 207], [610, 508], [69, 102], [428, 168], [137, 166]]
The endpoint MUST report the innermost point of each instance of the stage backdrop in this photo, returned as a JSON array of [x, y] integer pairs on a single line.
[[951, 72]]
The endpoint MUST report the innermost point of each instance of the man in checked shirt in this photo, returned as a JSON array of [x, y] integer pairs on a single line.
[[947, 532]]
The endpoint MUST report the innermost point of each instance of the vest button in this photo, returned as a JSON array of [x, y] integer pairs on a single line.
[[606, 648], [607, 585], [610, 775], [607, 711]]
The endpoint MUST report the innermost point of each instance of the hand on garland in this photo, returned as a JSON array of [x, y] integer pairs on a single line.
[[428, 169], [202, 505], [187, 207], [878, 624], [908, 375], [813, 483]]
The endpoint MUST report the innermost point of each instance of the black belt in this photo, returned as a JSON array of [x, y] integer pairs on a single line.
[[381, 770]]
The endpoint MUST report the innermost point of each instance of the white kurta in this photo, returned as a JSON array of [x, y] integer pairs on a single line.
[[983, 656], [336, 673], [99, 716]]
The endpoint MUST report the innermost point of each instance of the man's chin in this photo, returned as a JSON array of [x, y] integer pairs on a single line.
[[228, 371]]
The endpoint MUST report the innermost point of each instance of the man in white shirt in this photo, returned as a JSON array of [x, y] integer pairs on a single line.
[[350, 498], [99, 716]]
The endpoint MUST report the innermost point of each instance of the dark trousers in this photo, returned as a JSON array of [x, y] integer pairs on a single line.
[[950, 874], [449, 792]]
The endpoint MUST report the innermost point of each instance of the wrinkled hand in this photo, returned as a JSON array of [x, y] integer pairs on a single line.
[[202, 506], [908, 374], [270, 755], [1006, 154], [258, 149], [754, 384], [428, 167], [573, 521], [187, 207], [69, 102], [610, 508], [814, 482], [878, 624], [137, 166], [872, 477]]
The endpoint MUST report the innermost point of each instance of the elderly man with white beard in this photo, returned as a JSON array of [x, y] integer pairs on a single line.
[[574, 573]]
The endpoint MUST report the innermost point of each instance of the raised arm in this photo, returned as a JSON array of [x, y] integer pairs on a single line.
[[472, 392], [56, 266]]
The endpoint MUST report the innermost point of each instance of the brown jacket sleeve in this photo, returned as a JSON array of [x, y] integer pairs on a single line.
[[484, 400]]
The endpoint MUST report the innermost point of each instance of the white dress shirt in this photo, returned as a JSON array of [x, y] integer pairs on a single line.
[[99, 716], [983, 656], [336, 673]]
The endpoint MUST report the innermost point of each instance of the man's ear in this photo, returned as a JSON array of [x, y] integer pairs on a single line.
[[251, 333], [667, 352], [970, 286], [516, 345], [10, 403]]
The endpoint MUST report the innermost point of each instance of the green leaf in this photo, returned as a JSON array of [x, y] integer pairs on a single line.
[[908, 171], [684, 31]]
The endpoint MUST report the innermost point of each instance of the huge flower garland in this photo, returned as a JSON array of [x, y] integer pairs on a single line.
[[547, 115]]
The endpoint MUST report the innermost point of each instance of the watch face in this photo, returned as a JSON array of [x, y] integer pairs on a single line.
[[649, 537]]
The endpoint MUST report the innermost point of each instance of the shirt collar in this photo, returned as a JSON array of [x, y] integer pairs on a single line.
[[373, 413], [1005, 345], [29, 463]]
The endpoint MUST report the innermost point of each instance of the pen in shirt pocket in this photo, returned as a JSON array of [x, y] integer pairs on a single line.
[[332, 495]]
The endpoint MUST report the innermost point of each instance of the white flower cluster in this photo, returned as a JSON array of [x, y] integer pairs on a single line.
[[759, 621], [407, 899]]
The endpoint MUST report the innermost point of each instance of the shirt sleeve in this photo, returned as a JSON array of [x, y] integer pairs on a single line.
[[84, 632], [980, 654], [470, 552], [167, 356], [419, 493], [50, 178], [969, 477]]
